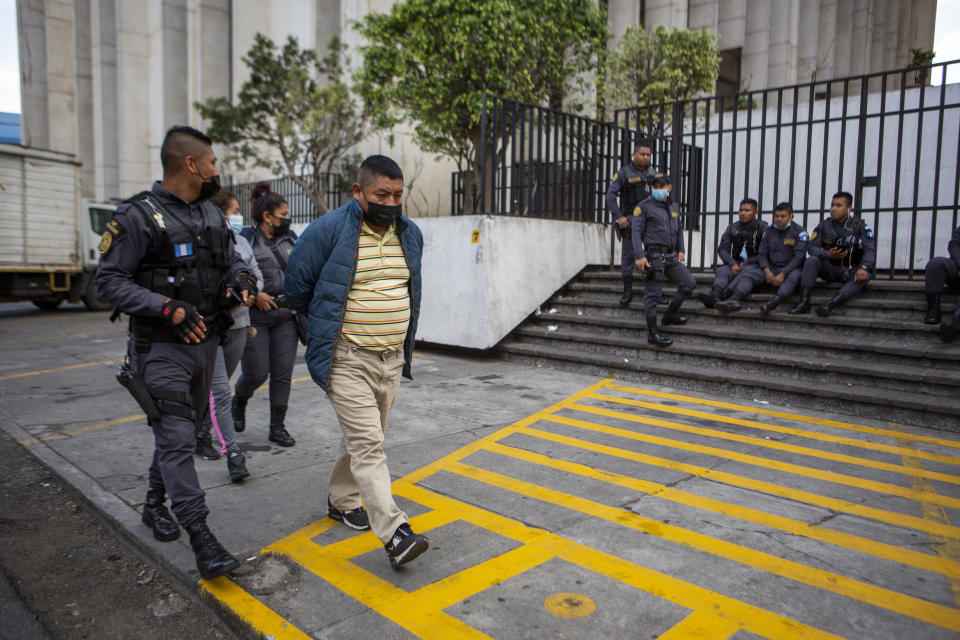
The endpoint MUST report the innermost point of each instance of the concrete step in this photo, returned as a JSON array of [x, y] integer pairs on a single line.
[[856, 398], [759, 361], [924, 351]]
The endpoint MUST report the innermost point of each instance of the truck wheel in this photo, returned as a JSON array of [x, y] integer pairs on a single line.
[[47, 304], [92, 302]]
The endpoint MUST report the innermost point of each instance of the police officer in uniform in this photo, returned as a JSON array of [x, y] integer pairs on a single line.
[[167, 260], [738, 247], [942, 272], [658, 245], [630, 184], [779, 262], [842, 249]]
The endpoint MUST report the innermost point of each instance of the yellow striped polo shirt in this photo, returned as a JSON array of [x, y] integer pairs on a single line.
[[378, 305]]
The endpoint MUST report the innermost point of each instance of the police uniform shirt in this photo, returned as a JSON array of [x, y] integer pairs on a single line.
[[273, 271], [783, 250], [828, 232], [630, 184], [129, 236], [657, 223], [747, 236]]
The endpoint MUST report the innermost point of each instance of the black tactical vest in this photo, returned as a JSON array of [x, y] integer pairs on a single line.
[[848, 236], [739, 238], [632, 194], [182, 264]]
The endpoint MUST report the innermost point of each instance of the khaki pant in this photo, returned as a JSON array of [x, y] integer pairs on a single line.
[[362, 388]]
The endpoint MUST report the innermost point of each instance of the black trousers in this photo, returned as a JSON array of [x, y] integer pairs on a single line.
[[673, 270], [941, 272], [270, 353], [627, 257], [184, 370], [816, 267]]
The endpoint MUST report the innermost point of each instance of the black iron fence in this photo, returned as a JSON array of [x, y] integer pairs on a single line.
[[895, 146], [301, 208]]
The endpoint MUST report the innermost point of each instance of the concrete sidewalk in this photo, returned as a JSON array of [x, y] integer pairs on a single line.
[[552, 500]]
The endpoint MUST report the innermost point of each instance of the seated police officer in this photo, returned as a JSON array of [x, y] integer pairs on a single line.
[[738, 248], [842, 249], [940, 273], [658, 244], [167, 260], [630, 184], [779, 262]]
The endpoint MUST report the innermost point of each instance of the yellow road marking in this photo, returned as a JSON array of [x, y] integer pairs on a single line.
[[64, 336], [569, 605], [881, 515], [767, 463], [753, 424], [947, 549], [903, 604], [26, 374], [796, 417], [769, 444], [701, 625], [252, 611], [947, 566]]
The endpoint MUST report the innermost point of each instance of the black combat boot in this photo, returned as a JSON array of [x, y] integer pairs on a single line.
[[827, 307], [212, 559], [238, 407], [627, 291], [730, 302], [237, 466], [670, 316], [710, 299], [278, 433], [205, 448], [770, 306], [933, 309], [653, 337], [157, 517], [804, 305]]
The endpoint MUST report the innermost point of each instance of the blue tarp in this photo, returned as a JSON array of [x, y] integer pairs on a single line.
[[10, 128]]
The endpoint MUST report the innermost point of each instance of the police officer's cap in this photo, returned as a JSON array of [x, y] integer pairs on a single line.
[[662, 178]]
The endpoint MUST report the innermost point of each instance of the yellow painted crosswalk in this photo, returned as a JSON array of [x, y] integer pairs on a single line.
[[617, 436]]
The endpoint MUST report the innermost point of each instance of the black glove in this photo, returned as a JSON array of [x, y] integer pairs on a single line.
[[190, 318], [244, 280]]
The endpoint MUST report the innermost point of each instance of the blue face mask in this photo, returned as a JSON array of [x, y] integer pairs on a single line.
[[236, 223], [659, 194], [786, 226]]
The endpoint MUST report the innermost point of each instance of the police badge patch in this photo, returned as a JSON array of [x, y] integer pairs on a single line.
[[106, 241]]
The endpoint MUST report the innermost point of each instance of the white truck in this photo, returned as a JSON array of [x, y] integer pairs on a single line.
[[48, 234]]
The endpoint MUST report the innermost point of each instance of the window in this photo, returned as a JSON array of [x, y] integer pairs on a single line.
[[728, 80]]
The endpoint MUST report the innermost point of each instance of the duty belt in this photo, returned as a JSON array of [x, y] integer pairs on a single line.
[[659, 248]]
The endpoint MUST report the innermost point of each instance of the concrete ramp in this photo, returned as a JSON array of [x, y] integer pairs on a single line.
[[483, 275]]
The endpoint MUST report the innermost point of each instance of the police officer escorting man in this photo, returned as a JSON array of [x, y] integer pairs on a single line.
[[942, 272], [738, 247], [630, 183], [779, 262], [658, 246], [842, 249], [167, 260]]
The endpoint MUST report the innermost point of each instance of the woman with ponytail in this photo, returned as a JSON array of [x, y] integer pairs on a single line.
[[272, 350]]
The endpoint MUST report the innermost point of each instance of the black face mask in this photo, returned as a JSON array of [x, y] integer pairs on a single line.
[[382, 215], [282, 228], [208, 187]]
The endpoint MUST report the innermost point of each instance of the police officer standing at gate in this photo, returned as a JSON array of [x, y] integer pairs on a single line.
[[738, 247], [167, 260], [658, 246], [630, 183], [842, 249]]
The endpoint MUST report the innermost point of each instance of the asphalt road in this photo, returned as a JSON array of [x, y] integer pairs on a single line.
[[558, 505]]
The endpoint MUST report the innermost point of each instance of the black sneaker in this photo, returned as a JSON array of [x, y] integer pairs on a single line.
[[205, 448], [355, 518], [405, 545]]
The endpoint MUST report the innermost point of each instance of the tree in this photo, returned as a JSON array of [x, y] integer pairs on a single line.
[[429, 62], [296, 105], [665, 66]]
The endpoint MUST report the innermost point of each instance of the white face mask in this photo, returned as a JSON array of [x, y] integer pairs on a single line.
[[236, 223]]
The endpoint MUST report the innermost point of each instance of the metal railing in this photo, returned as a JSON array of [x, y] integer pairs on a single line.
[[893, 145], [301, 208]]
